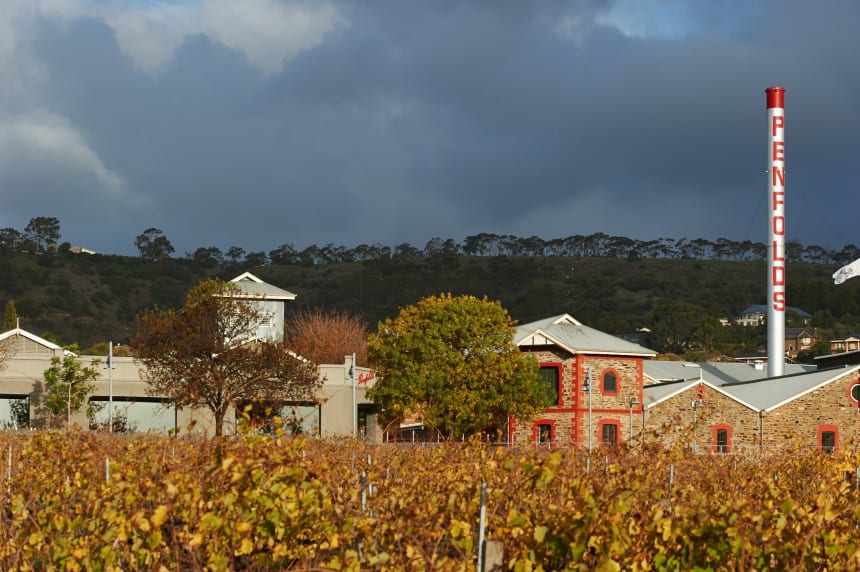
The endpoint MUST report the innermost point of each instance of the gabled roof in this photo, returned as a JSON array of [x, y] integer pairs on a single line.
[[746, 384], [18, 332], [254, 287], [570, 334], [851, 337], [770, 393], [654, 394]]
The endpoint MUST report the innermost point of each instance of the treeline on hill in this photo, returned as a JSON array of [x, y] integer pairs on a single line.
[[679, 289]]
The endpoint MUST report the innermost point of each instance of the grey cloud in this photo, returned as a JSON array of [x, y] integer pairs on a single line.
[[410, 120]]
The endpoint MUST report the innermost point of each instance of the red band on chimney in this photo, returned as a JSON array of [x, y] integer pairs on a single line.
[[775, 97]]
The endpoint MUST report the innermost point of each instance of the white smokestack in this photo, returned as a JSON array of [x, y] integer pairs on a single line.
[[776, 231]]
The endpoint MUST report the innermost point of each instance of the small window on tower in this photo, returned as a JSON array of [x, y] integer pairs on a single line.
[[610, 382]]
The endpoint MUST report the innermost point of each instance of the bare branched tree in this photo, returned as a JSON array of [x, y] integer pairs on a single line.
[[327, 337]]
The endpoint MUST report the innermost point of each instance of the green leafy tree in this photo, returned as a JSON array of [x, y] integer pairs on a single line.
[[153, 245], [10, 239], [235, 254], [674, 326], [207, 356], [453, 361], [10, 316], [68, 384], [43, 231]]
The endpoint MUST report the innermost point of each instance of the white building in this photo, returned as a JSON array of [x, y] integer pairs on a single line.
[[340, 408]]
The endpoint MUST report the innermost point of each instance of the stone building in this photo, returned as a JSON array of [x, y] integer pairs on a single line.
[[728, 407], [594, 379]]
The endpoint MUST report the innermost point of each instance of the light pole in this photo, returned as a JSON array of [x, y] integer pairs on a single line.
[[69, 410], [587, 388], [633, 401], [354, 400], [110, 386]]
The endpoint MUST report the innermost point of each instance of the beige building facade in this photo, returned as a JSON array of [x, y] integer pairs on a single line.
[[121, 393], [340, 407]]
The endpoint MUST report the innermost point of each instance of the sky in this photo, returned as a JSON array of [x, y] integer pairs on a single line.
[[257, 123]]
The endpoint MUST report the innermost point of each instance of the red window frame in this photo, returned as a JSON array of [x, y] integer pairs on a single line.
[[536, 427], [617, 381], [618, 437], [558, 366], [715, 431], [822, 429]]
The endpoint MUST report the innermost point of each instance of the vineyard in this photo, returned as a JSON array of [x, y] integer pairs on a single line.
[[89, 501]]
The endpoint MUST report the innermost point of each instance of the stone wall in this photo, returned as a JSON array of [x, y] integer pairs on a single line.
[[797, 423], [569, 420]]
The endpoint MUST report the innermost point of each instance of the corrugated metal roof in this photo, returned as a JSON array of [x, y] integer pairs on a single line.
[[575, 337], [770, 393], [747, 385], [718, 373]]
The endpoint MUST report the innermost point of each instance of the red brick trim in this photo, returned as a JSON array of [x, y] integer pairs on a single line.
[[728, 430], [560, 367], [619, 438], [552, 437], [824, 429], [617, 381]]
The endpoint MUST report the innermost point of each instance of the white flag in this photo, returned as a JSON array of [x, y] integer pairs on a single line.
[[846, 272]]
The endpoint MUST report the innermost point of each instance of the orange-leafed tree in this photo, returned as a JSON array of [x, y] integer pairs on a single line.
[[326, 337], [206, 355]]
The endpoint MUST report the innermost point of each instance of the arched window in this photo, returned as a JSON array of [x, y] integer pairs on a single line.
[[610, 383]]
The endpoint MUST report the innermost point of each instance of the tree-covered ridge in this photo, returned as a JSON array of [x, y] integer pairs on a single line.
[[610, 285], [43, 233]]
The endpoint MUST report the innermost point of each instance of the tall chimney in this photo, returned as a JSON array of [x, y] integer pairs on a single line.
[[776, 231]]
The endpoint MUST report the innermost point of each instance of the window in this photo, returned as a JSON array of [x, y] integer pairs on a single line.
[[828, 441], [610, 382], [609, 434], [267, 320], [14, 412], [544, 434], [722, 439], [855, 392], [828, 438], [550, 376], [365, 413]]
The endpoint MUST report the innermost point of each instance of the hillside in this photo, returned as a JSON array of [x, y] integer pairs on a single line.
[[92, 298]]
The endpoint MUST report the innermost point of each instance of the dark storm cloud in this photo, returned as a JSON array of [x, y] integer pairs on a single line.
[[400, 121]]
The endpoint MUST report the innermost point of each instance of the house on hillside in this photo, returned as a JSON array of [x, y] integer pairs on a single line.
[[849, 343], [340, 407], [799, 339], [756, 314], [588, 375]]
